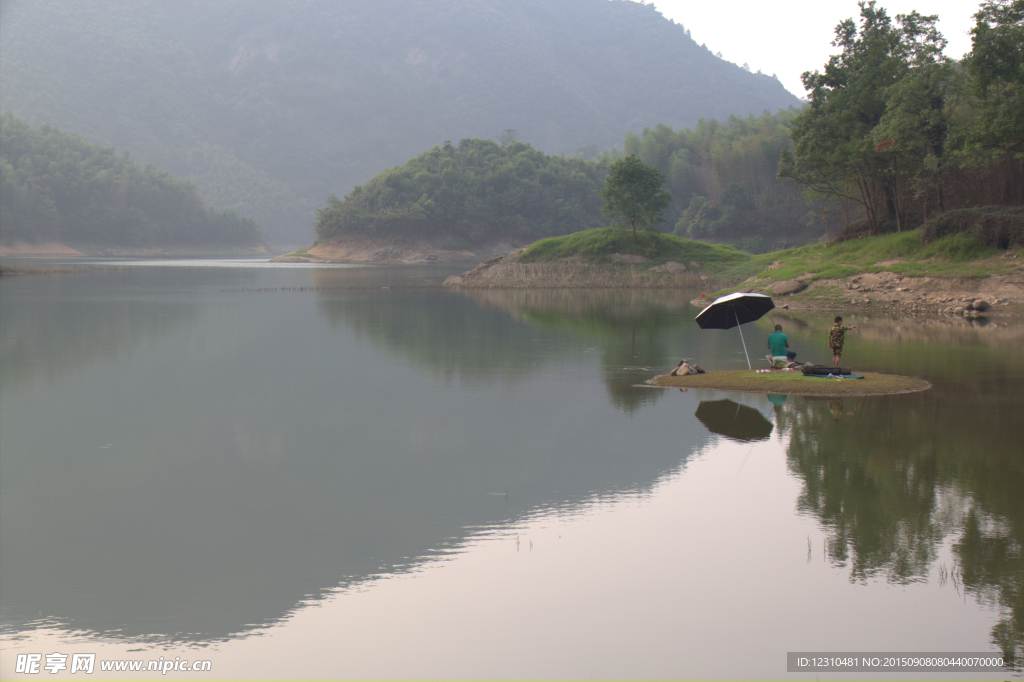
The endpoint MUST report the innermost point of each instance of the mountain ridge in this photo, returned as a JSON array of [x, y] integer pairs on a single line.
[[271, 107]]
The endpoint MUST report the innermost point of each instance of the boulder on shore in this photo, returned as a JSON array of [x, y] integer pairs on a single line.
[[790, 286]]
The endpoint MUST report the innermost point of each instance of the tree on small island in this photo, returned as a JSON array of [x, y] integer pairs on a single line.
[[633, 194]]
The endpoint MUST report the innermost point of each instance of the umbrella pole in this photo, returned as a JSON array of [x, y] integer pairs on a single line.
[[740, 327]]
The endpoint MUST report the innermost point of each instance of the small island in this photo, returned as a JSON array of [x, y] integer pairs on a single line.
[[795, 383]]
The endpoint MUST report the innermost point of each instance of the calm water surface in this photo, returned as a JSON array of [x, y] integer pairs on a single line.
[[344, 472]]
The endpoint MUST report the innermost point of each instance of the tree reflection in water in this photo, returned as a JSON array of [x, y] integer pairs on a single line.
[[894, 478]]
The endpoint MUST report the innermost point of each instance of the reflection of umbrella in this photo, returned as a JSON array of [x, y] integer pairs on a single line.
[[734, 421], [733, 310]]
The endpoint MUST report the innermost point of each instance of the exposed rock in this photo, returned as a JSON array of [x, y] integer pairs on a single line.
[[790, 286], [479, 270], [981, 305]]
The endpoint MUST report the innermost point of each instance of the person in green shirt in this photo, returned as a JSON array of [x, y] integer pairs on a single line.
[[778, 347]]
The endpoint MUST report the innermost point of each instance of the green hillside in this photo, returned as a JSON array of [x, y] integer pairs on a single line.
[[599, 245], [270, 107], [55, 186], [475, 193]]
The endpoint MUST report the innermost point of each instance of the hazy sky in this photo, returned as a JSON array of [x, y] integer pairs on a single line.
[[792, 37]]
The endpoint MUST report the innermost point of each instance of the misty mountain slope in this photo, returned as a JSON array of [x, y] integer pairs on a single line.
[[269, 107]]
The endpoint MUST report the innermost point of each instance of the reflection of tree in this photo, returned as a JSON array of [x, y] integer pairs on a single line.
[[485, 334], [441, 332], [72, 329], [905, 473], [629, 325], [991, 564], [877, 507]]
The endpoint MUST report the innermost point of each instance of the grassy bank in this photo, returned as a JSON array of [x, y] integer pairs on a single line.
[[601, 244], [903, 253]]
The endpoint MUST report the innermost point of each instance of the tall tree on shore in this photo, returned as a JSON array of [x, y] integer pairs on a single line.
[[996, 63], [634, 195], [837, 147]]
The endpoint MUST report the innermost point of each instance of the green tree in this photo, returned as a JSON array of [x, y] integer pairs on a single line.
[[836, 150], [633, 194], [996, 62]]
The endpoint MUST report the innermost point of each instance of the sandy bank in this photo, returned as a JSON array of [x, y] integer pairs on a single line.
[[378, 251], [55, 250], [42, 249]]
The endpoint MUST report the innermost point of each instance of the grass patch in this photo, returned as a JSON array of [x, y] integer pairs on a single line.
[[961, 254], [795, 383], [600, 244]]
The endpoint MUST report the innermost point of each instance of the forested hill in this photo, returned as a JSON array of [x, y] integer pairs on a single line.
[[55, 186], [476, 193], [269, 107], [721, 177]]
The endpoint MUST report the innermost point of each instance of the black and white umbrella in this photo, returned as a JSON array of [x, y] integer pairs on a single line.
[[734, 310]]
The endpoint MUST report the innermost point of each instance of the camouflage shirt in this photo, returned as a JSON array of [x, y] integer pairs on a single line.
[[836, 337]]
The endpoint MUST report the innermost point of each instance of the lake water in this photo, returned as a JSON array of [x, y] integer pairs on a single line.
[[345, 472]]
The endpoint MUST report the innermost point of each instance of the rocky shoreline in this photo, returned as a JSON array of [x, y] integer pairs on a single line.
[[889, 292], [872, 292], [623, 271]]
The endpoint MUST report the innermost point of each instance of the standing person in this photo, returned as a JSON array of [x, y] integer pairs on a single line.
[[836, 336], [778, 343]]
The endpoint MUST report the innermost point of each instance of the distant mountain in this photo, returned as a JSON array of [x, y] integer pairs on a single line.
[[269, 107], [54, 186]]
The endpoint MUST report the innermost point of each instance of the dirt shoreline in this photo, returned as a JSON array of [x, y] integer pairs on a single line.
[[870, 292], [888, 292], [40, 250], [56, 250], [381, 252]]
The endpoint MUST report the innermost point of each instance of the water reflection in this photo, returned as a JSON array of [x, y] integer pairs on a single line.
[[186, 458], [736, 422], [198, 480], [486, 335], [893, 479]]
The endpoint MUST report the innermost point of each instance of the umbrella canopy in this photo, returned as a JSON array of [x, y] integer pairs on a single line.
[[733, 310], [734, 421]]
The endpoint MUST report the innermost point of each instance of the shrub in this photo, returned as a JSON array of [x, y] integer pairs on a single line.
[[1001, 227]]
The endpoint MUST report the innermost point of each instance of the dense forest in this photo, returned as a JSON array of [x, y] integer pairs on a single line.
[[475, 193], [722, 177], [896, 132], [55, 186], [269, 107]]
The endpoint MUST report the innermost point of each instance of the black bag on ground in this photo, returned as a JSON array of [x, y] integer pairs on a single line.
[[825, 370]]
